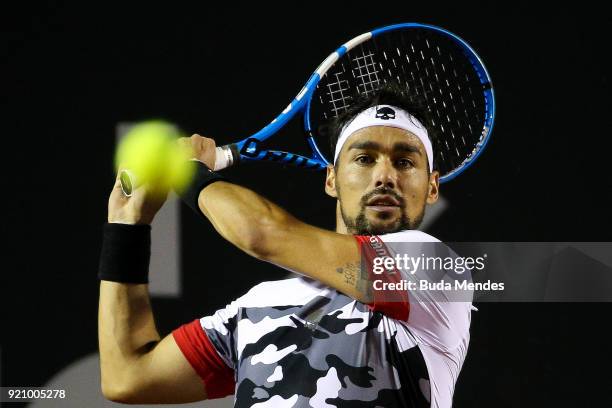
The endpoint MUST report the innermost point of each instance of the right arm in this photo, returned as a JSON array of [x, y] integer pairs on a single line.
[[137, 365]]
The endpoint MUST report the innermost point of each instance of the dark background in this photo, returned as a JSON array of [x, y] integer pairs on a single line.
[[70, 74]]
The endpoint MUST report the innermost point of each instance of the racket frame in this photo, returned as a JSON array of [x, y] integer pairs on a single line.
[[249, 149]]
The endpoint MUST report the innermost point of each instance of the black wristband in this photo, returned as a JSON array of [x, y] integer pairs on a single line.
[[202, 177], [126, 252]]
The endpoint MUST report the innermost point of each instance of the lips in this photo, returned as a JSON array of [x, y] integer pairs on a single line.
[[383, 200]]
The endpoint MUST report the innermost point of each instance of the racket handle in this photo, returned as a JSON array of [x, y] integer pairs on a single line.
[[226, 156]]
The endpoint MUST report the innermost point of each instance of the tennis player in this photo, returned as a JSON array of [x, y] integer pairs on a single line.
[[319, 340]]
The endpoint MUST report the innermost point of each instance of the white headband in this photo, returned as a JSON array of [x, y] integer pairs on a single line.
[[386, 115]]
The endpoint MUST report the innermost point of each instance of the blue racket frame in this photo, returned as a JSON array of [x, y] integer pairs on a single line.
[[250, 148]]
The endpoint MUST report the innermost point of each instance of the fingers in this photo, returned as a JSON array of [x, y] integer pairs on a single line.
[[201, 143], [117, 183], [197, 143], [200, 148]]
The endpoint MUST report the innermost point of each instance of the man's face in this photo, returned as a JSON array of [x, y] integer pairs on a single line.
[[381, 181]]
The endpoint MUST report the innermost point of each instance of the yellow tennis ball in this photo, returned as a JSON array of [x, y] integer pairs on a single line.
[[149, 150]]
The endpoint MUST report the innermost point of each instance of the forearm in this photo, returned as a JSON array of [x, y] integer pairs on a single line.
[[266, 231], [126, 331], [242, 216]]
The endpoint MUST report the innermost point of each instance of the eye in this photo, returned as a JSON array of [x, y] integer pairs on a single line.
[[364, 159], [404, 163]]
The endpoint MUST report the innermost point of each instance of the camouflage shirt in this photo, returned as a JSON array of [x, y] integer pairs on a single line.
[[299, 343]]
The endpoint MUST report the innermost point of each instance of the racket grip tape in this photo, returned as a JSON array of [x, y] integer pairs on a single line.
[[226, 156]]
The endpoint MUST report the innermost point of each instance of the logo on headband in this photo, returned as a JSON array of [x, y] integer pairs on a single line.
[[385, 113]]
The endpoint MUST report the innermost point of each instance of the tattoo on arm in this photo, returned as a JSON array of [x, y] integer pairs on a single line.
[[355, 276]]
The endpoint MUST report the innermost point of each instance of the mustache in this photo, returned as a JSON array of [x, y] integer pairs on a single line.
[[380, 191]]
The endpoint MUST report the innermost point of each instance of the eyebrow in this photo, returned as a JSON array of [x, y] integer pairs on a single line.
[[402, 147]]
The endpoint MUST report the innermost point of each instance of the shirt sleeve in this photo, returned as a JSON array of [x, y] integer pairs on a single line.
[[437, 318], [392, 303], [208, 345]]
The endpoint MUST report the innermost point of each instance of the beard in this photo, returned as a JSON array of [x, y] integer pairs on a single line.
[[361, 225]]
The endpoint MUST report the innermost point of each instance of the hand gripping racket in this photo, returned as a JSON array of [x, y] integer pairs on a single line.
[[433, 64]]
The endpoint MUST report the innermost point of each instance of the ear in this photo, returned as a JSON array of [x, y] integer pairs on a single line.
[[433, 188], [330, 182]]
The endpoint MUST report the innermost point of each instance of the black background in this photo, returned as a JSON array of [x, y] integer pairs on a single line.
[[70, 74]]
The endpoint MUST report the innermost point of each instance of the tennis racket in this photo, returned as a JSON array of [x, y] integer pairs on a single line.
[[433, 64]]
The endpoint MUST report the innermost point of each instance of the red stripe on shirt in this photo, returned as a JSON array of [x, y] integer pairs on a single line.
[[218, 378], [391, 303]]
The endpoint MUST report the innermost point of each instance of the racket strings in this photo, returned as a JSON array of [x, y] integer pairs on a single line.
[[434, 72], [434, 85], [338, 92], [365, 72]]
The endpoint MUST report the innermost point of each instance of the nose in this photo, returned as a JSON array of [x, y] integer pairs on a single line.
[[385, 174]]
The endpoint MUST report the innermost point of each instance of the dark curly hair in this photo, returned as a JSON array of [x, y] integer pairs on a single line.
[[388, 94]]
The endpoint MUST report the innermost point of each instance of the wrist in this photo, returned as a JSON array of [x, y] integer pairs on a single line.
[[126, 252], [202, 179]]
